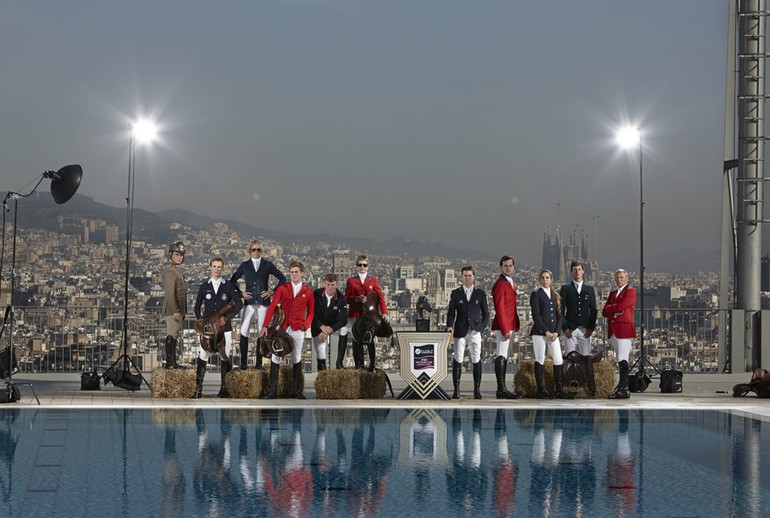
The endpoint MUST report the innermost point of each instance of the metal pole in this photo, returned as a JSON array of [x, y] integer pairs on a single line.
[[13, 289], [641, 258], [751, 119], [129, 224], [727, 250]]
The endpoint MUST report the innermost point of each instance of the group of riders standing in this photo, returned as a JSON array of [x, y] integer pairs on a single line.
[[571, 312], [325, 311]]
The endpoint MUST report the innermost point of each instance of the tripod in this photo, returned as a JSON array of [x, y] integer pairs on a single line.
[[64, 184], [122, 376], [642, 360]]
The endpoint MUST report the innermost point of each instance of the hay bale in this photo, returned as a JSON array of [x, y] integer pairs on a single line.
[[604, 376], [173, 383], [349, 384], [524, 380], [286, 381], [246, 384]]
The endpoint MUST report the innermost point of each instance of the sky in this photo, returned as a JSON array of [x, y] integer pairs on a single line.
[[479, 124]]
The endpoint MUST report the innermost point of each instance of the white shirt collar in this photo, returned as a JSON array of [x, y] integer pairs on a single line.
[[216, 284], [547, 292]]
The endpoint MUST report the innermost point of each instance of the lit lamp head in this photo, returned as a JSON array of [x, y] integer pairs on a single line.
[[628, 137], [144, 131]]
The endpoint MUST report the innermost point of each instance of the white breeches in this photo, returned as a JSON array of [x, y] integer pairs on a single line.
[[622, 347], [473, 341], [503, 345], [579, 342], [320, 346], [249, 314], [539, 345]]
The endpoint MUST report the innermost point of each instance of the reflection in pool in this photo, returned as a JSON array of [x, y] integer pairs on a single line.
[[382, 462]]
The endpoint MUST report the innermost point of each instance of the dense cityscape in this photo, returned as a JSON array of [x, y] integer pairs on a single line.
[[69, 294]]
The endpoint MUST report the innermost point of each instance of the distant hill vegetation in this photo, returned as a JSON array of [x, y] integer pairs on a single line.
[[39, 210]]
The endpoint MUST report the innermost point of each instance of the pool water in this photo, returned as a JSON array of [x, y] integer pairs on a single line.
[[382, 462]]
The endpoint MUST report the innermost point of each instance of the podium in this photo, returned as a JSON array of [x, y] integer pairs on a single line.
[[423, 364]]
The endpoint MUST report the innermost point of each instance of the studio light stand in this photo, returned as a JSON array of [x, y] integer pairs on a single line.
[[64, 184], [630, 137], [119, 373]]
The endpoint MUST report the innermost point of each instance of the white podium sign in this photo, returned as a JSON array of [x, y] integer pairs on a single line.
[[423, 363]]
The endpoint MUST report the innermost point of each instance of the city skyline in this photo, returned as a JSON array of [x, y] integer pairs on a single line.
[[438, 121]]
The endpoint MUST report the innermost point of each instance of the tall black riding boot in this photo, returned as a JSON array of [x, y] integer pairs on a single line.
[[297, 372], [541, 392], [200, 373], [558, 371], [358, 355], [501, 366], [370, 346], [477, 380], [171, 353], [272, 392], [321, 365], [244, 349], [224, 368], [342, 346], [457, 369], [621, 391]]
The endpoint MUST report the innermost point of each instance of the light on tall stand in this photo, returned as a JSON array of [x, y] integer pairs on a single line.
[[64, 184], [119, 372], [629, 138]]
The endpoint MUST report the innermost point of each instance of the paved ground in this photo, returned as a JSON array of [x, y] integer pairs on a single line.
[[700, 391]]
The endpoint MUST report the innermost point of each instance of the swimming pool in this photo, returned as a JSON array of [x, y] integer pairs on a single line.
[[382, 462]]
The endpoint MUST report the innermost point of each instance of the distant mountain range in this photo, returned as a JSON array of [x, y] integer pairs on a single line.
[[39, 210]]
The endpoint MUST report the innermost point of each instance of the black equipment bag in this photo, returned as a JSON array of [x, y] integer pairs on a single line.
[[670, 381], [6, 364], [90, 381], [638, 382], [10, 393]]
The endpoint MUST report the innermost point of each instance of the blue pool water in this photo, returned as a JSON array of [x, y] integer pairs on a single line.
[[382, 462]]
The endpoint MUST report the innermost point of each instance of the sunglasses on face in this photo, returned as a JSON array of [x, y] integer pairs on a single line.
[[363, 265], [256, 249]]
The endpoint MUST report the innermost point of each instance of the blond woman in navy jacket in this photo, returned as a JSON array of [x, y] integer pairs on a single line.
[[546, 314]]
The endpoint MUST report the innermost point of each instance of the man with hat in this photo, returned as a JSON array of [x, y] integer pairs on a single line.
[[174, 300]]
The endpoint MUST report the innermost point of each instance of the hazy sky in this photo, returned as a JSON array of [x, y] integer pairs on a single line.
[[449, 120]]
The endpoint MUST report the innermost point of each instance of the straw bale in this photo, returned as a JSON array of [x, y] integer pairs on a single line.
[[524, 380], [350, 384], [246, 384], [286, 381], [173, 383]]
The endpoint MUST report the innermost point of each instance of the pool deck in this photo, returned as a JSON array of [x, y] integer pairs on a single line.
[[701, 391]]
